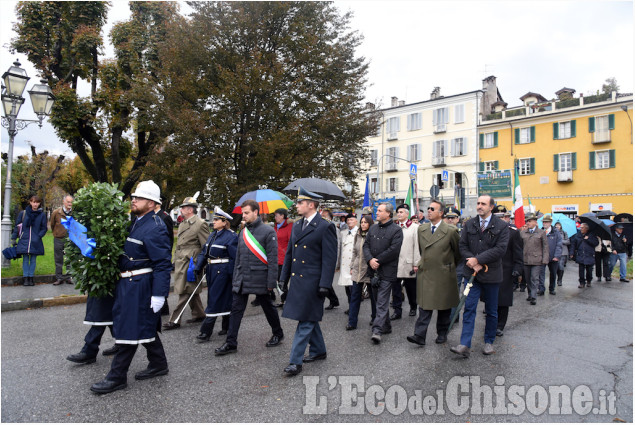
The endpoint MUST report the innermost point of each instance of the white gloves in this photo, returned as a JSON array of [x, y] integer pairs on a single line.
[[156, 303]]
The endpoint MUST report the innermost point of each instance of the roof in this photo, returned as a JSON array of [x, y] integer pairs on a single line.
[[565, 90], [536, 95]]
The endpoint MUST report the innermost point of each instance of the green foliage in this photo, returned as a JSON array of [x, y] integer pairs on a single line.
[[597, 98], [610, 85], [99, 207], [568, 103], [515, 112]]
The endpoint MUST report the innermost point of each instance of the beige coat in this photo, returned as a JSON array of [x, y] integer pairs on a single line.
[[409, 255], [359, 265], [535, 247], [191, 238], [436, 278], [345, 256]]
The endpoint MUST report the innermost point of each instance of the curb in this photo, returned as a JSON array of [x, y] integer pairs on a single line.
[[17, 280]]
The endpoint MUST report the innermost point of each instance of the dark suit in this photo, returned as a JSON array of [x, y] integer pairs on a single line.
[[309, 264]]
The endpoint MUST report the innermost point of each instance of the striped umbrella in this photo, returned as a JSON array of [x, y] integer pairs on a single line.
[[268, 200]]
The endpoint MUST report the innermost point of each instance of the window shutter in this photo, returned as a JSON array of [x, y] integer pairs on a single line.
[[496, 165], [556, 162], [434, 150], [532, 134], [574, 161], [591, 125], [591, 158], [446, 112], [611, 121], [419, 149], [532, 165], [434, 117], [408, 156], [612, 158], [481, 140], [453, 147], [516, 136], [573, 132], [555, 131], [465, 145], [445, 148], [396, 184], [495, 138], [408, 120], [481, 166]]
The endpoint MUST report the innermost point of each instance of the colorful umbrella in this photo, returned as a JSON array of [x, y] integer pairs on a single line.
[[268, 200], [568, 224]]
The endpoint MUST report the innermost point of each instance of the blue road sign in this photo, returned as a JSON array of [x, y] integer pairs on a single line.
[[413, 169], [445, 176]]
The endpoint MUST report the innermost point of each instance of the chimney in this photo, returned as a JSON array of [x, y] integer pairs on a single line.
[[435, 93], [370, 106], [394, 101], [402, 102]]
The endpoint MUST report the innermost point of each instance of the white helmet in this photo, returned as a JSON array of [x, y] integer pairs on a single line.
[[148, 190]]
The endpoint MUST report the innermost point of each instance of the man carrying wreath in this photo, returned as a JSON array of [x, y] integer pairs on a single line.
[[255, 272]]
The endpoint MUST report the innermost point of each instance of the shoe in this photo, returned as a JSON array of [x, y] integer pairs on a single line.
[[488, 349], [350, 327], [522, 289], [552, 292], [58, 282], [196, 320], [588, 285], [371, 322], [560, 283], [541, 293], [413, 312], [203, 337], [274, 340], [395, 316], [529, 298], [279, 305], [376, 338], [499, 332], [171, 326], [222, 332], [82, 358], [107, 386], [150, 373], [331, 306], [608, 279], [346, 312], [533, 301], [110, 351], [311, 358], [416, 339], [225, 349], [599, 279], [624, 280], [255, 303], [441, 339], [293, 369], [581, 285], [462, 350], [69, 281]]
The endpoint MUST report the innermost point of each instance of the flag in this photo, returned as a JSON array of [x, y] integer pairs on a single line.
[[366, 195], [531, 206], [410, 200], [519, 212]]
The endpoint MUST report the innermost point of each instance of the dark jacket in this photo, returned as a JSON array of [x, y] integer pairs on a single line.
[[583, 248], [512, 267], [383, 242], [488, 247], [169, 225], [618, 244], [34, 228], [554, 238], [251, 275]]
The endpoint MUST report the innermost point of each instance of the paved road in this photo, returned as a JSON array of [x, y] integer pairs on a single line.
[[578, 337]]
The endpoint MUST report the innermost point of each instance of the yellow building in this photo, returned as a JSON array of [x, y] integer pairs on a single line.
[[574, 154]]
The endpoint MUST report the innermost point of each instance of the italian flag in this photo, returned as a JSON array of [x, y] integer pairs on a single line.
[[519, 212], [254, 246], [410, 201]]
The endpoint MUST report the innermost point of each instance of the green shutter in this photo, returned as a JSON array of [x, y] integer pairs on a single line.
[[555, 131], [481, 166], [481, 140], [612, 158], [574, 161], [591, 124], [592, 160], [611, 121], [532, 165], [556, 162], [532, 134], [573, 128], [495, 138], [496, 165], [516, 136]]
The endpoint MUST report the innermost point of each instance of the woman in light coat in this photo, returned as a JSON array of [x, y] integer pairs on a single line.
[[359, 274]]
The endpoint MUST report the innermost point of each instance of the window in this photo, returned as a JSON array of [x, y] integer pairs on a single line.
[[459, 114], [488, 140], [392, 127], [414, 121], [526, 166], [602, 159], [392, 185], [564, 130], [373, 185], [602, 132], [439, 148], [440, 116], [524, 135], [564, 161], [414, 152], [458, 147], [391, 158], [373, 158], [490, 166]]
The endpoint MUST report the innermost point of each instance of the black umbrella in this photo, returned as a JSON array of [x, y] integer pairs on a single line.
[[596, 225], [606, 213], [466, 291], [618, 218], [322, 187]]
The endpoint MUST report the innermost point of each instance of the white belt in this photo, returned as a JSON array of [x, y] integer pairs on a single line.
[[217, 260], [136, 272]]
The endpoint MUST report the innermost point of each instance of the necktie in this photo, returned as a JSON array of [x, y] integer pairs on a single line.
[[432, 229], [350, 232], [482, 225], [306, 222], [531, 231]]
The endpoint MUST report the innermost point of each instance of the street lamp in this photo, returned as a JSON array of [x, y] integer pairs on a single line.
[[42, 99]]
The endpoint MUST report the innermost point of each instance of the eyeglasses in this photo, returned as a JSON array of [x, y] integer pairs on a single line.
[[431, 209]]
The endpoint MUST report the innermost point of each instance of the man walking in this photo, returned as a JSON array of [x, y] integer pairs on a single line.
[[620, 250], [192, 235], [554, 238], [483, 243], [583, 251], [255, 272], [535, 254], [59, 238], [409, 257], [382, 247], [309, 263]]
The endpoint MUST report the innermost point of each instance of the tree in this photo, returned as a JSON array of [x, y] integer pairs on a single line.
[[263, 93], [610, 86]]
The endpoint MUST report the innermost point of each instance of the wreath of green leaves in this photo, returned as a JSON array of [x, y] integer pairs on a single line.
[[101, 208]]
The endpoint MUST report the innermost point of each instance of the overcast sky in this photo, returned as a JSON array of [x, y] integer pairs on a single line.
[[413, 46]]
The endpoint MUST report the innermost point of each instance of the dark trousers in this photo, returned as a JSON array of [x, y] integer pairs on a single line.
[[239, 304], [602, 265], [503, 312], [332, 296], [410, 285], [425, 316], [553, 274], [307, 333], [347, 289], [58, 254], [585, 269], [93, 339], [207, 327], [354, 303], [123, 358], [490, 292], [381, 323]]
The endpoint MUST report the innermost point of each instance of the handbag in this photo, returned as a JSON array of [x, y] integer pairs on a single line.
[[10, 253]]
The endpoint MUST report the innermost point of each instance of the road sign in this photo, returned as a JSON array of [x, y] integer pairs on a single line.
[[413, 169], [445, 176], [434, 190]]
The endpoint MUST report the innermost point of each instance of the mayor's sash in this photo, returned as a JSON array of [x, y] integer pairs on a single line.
[[254, 246]]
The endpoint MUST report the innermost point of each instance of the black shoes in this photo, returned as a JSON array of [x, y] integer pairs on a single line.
[[82, 358], [499, 332], [195, 320], [293, 369], [608, 279], [532, 301], [150, 373], [376, 338], [274, 341], [346, 312], [350, 327], [203, 337], [331, 306], [416, 339], [170, 326], [624, 280], [552, 292], [540, 293], [225, 349], [311, 358], [441, 339], [395, 316], [222, 332], [413, 312], [529, 298], [106, 386], [110, 351], [27, 281]]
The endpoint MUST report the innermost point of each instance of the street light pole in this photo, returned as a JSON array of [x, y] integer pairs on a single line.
[[379, 164]]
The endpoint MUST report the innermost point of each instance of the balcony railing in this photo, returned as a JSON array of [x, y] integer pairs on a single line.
[[438, 161], [565, 176]]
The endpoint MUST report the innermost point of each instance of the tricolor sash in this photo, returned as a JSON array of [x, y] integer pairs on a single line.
[[254, 246]]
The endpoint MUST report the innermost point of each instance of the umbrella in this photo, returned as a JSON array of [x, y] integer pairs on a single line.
[[322, 187], [268, 200], [618, 218], [607, 221], [468, 286], [606, 213], [597, 226], [568, 224]]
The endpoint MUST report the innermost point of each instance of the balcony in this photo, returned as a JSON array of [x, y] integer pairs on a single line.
[[392, 136], [565, 176], [391, 167], [438, 161], [440, 128], [601, 136]]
